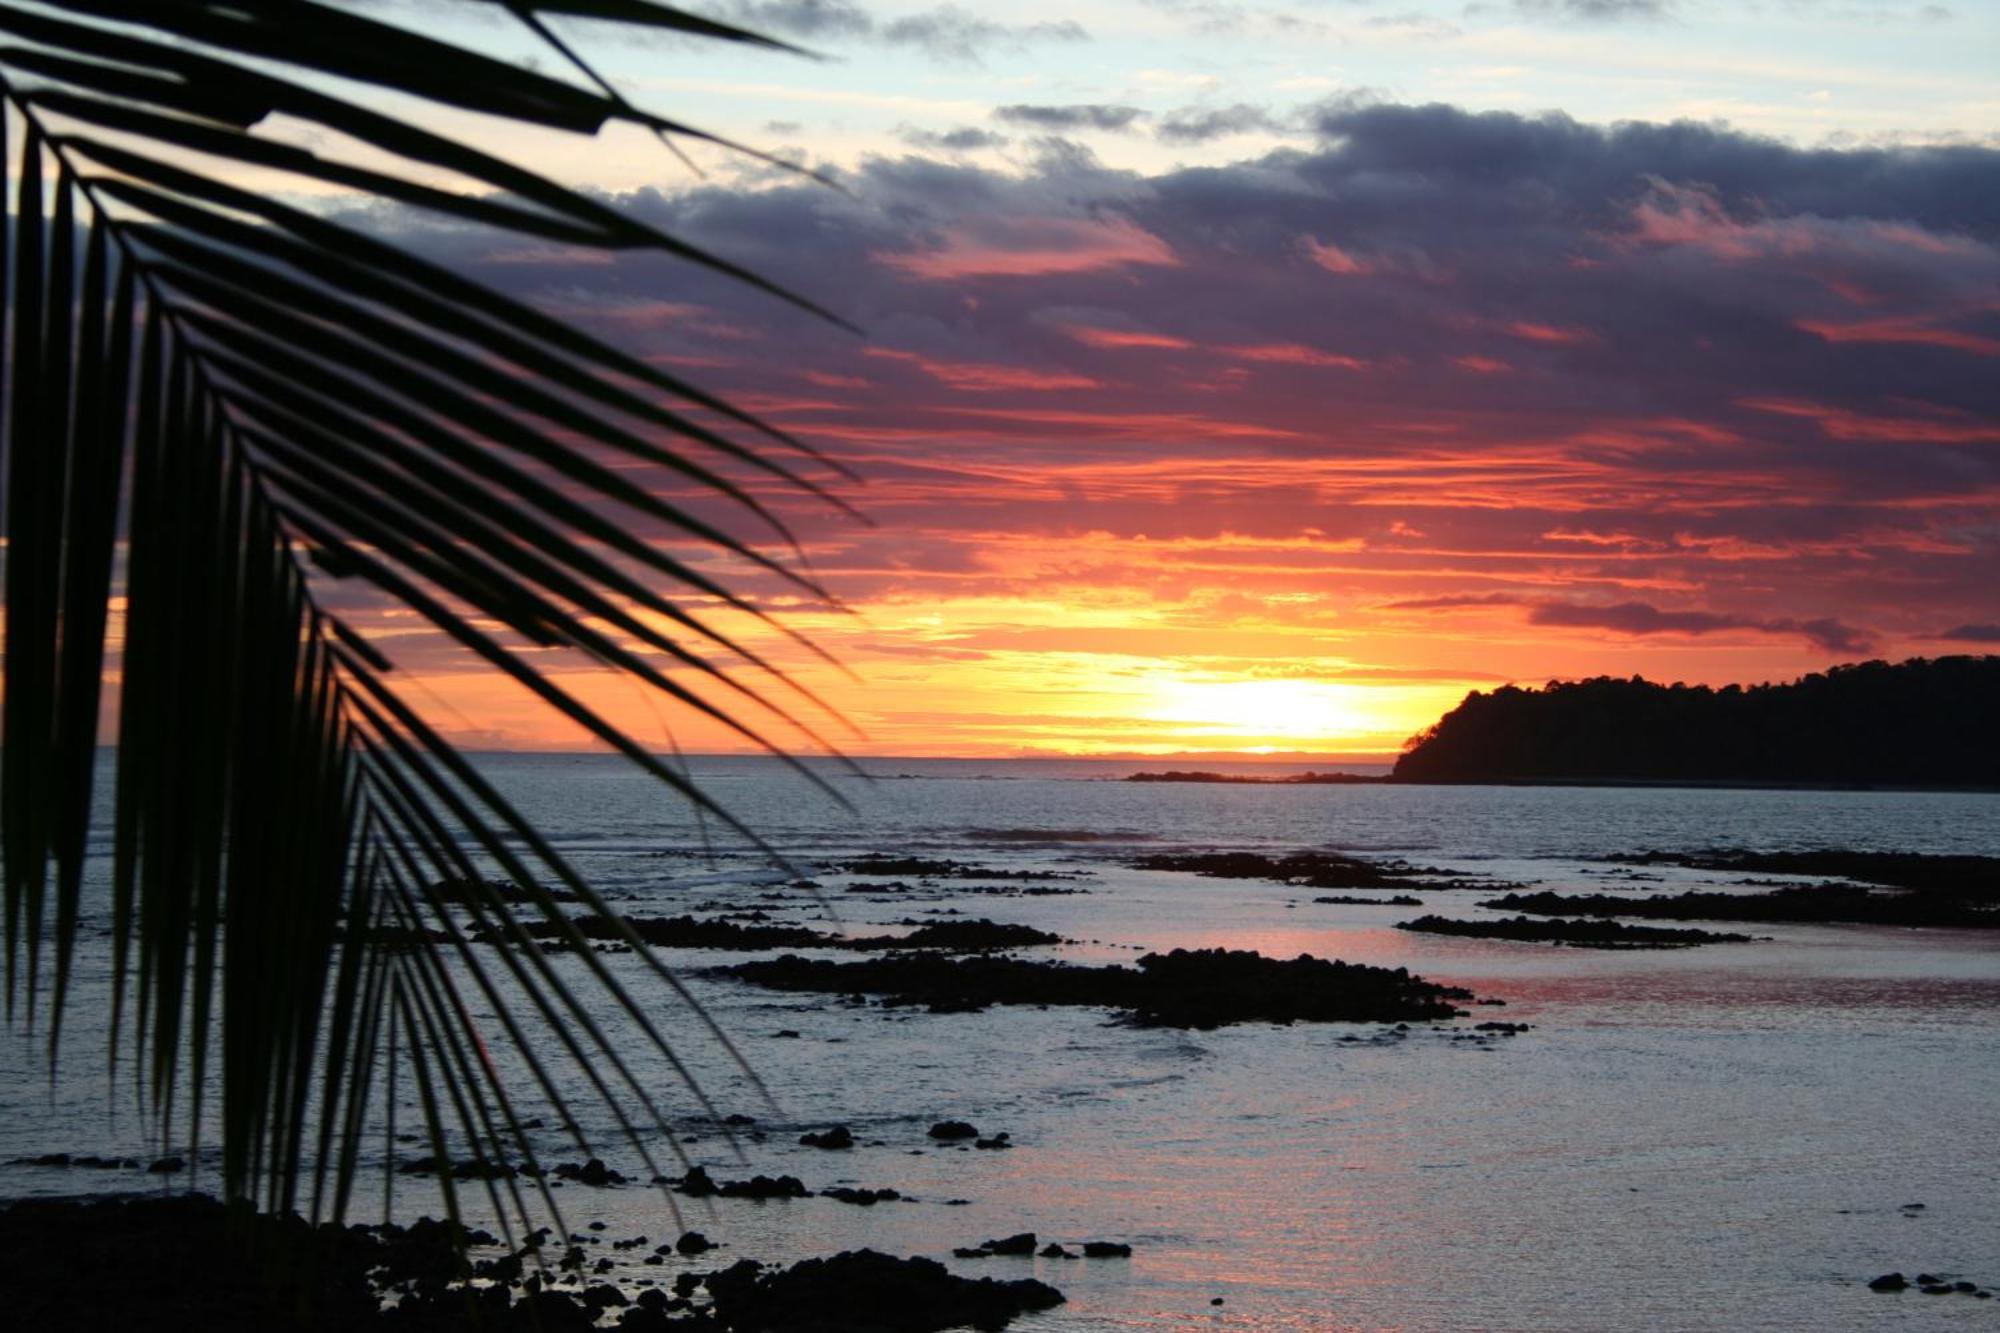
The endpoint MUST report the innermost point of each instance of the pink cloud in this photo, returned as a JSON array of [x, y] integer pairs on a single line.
[[1482, 365], [1125, 425], [1027, 247], [1844, 424], [1294, 354], [1336, 260], [1693, 216], [976, 377], [1119, 338], [1909, 329], [1547, 333]]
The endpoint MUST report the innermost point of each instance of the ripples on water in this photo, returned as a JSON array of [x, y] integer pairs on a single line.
[[1715, 1139]]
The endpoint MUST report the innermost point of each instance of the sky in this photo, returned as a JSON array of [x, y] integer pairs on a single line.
[[1262, 378]]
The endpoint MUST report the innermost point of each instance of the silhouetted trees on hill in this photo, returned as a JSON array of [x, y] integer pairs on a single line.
[[1924, 722]]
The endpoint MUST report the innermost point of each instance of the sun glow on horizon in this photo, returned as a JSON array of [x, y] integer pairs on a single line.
[[1266, 714]]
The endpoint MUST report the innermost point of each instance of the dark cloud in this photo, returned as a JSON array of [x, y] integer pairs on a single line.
[[812, 20], [1074, 116], [1452, 603], [1433, 359], [1200, 124], [956, 34], [947, 32], [964, 139], [1642, 618], [1972, 634]]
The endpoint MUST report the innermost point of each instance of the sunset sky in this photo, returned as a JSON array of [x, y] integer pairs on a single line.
[[1249, 376]]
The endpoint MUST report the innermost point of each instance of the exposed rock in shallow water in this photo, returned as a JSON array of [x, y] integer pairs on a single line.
[[1312, 870], [861, 1289], [863, 1197], [1344, 900], [894, 867], [687, 932], [1019, 1245], [1576, 934], [1824, 903], [1964, 878], [698, 1184], [1203, 988]]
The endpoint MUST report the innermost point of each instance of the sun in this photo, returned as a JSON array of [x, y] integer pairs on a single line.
[[1253, 714]]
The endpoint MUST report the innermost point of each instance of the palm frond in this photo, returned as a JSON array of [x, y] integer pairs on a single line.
[[217, 401]]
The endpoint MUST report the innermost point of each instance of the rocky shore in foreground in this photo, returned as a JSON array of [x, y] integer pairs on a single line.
[[190, 1264]]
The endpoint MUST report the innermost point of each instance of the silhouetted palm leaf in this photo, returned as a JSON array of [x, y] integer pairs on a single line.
[[256, 387]]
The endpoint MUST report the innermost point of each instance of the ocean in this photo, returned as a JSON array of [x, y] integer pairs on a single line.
[[1732, 1137]]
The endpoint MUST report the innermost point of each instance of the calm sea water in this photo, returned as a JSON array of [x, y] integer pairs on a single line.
[[1714, 1139]]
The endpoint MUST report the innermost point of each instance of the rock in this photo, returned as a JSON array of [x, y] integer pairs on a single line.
[[1967, 1287], [763, 1187], [1890, 1282], [696, 1184], [1106, 1249], [866, 1198], [872, 1291], [593, 1172], [1203, 988], [1936, 1289], [739, 1119], [837, 1137], [953, 1129], [1925, 1279], [167, 1166], [997, 1141], [691, 1243], [1055, 1251], [1022, 1243]]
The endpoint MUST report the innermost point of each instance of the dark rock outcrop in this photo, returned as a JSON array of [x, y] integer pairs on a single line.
[[1576, 934], [862, 1289], [1203, 988]]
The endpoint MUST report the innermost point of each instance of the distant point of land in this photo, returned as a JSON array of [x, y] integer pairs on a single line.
[[1923, 723]]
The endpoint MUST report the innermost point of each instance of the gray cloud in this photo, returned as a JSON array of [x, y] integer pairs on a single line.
[[1973, 634], [1074, 116], [1201, 124], [964, 139], [808, 19], [1596, 11], [1643, 618], [947, 32], [1758, 375]]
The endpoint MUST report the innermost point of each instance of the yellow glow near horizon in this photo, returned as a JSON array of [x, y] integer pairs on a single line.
[[1261, 711]]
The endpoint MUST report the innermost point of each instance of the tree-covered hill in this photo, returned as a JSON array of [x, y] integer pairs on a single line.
[[1923, 722]]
